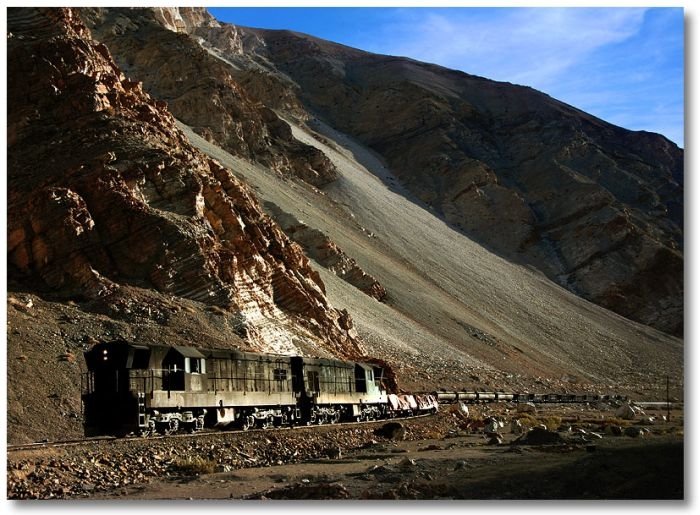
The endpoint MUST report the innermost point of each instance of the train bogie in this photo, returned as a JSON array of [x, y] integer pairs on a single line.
[[504, 396], [486, 396]]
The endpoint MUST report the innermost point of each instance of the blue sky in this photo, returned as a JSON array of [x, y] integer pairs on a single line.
[[624, 65]]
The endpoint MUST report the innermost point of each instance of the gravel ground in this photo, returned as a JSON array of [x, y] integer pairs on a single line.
[[417, 460]]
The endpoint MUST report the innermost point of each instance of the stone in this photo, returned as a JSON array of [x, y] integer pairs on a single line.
[[491, 425], [539, 436], [526, 407], [516, 426], [391, 431], [613, 430], [634, 431], [628, 411], [494, 439], [407, 463]]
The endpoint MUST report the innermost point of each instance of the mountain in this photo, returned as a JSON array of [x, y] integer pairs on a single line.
[[111, 209], [595, 207], [161, 166]]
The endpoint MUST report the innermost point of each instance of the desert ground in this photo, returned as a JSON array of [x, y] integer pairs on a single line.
[[590, 454]]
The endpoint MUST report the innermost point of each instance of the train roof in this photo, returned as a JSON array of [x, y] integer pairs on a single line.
[[199, 352], [188, 352]]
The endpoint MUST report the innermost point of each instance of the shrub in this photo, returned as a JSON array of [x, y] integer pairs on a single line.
[[527, 420], [193, 465], [551, 422]]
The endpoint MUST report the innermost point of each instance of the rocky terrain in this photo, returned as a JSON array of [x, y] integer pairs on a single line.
[[588, 455], [217, 100], [207, 200], [107, 199], [595, 207], [321, 249]]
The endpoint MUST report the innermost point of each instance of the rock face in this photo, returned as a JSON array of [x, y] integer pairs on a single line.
[[104, 192], [219, 101], [595, 207], [319, 247]]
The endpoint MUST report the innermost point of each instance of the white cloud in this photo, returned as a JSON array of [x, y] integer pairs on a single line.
[[526, 46], [621, 64]]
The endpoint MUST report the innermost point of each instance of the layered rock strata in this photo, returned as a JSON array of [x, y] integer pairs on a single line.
[[319, 247], [220, 102], [104, 191], [596, 207]]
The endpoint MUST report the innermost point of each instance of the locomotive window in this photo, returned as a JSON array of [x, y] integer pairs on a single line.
[[140, 358], [313, 382], [196, 365]]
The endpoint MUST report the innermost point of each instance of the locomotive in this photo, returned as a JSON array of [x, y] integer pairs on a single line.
[[144, 389]]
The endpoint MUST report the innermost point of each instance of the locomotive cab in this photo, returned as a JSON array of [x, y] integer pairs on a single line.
[[184, 368], [368, 379], [108, 401]]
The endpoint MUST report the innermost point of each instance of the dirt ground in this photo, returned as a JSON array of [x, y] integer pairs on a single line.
[[456, 468], [447, 456]]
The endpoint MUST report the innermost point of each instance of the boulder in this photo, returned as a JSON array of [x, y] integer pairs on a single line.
[[613, 430], [391, 431], [491, 425], [539, 436], [527, 407], [628, 411], [495, 439], [634, 431], [516, 426]]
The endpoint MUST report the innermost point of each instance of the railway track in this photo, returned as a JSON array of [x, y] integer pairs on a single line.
[[198, 434]]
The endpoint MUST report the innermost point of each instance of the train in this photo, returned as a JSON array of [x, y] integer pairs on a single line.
[[143, 389], [470, 397]]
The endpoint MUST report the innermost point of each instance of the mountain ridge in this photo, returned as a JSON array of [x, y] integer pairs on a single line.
[[476, 158]]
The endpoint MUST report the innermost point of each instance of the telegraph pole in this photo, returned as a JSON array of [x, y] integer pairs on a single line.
[[668, 403]]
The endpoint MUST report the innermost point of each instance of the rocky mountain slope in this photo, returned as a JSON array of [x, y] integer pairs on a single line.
[[595, 207], [218, 100], [125, 222], [109, 206]]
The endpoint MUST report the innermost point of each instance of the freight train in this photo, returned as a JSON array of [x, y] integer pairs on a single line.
[[143, 389], [444, 396]]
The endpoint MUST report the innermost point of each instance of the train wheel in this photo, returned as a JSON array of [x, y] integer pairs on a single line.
[[335, 418], [149, 429], [173, 426], [198, 425], [248, 422]]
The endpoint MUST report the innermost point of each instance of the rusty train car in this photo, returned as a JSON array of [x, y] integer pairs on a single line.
[[143, 389]]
